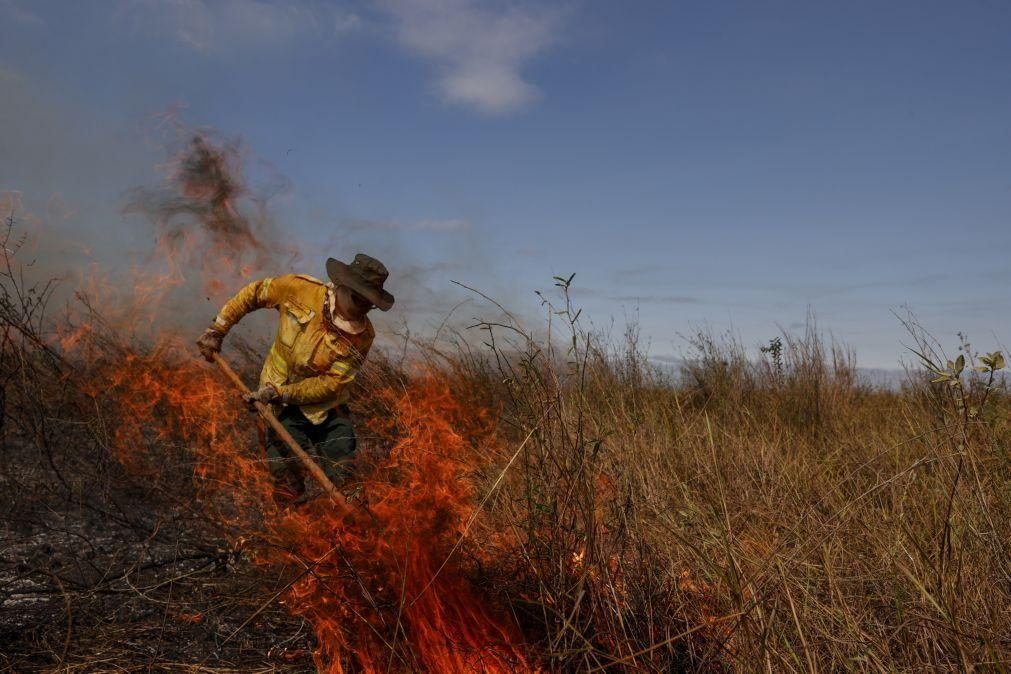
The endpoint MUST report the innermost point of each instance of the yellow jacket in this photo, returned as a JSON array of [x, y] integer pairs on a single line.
[[309, 363]]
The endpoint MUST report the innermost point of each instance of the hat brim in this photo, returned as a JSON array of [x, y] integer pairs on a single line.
[[342, 274]]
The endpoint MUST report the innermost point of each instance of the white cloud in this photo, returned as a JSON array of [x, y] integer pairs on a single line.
[[210, 25], [346, 22], [480, 48]]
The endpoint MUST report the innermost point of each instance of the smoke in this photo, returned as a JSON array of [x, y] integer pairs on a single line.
[[208, 219], [418, 603], [205, 187], [113, 202]]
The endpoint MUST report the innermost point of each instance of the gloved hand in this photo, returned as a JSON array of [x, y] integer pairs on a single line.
[[210, 343], [266, 395]]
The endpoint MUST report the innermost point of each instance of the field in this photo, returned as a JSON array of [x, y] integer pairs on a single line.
[[525, 498], [553, 503]]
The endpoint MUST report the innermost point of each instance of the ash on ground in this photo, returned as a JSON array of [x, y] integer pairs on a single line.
[[105, 570]]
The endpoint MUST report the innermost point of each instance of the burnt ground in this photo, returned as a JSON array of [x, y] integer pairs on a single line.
[[106, 570]]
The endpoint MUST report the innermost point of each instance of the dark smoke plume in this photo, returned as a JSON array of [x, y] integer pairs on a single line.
[[200, 214]]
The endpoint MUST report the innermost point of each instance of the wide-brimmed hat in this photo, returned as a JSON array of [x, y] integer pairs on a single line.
[[365, 275]]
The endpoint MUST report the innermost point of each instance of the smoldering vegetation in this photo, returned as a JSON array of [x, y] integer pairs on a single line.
[[762, 511], [136, 572]]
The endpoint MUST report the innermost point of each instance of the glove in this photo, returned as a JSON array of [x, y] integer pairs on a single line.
[[266, 395], [210, 343]]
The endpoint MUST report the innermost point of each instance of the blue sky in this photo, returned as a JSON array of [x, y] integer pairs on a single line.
[[728, 164]]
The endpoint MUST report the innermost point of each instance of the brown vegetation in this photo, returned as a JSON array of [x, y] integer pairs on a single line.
[[776, 514]]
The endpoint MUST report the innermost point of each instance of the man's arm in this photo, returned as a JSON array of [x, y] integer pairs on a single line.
[[326, 386], [264, 293]]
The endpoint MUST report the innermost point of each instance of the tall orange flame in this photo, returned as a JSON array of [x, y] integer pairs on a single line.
[[372, 579], [366, 575]]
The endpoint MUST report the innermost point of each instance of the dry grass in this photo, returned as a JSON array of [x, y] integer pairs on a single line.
[[774, 514]]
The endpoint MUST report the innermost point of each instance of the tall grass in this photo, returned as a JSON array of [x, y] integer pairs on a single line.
[[768, 513], [760, 511]]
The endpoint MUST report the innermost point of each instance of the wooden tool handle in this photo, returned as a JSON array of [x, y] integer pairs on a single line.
[[279, 428]]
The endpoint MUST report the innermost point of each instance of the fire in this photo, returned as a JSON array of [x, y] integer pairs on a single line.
[[365, 575], [374, 573]]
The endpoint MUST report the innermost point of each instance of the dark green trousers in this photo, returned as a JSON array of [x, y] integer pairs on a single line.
[[331, 444]]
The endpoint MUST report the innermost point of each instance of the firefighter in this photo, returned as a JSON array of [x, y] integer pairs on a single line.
[[323, 337]]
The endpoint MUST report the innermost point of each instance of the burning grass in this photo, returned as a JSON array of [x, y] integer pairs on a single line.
[[798, 521], [556, 505], [367, 573]]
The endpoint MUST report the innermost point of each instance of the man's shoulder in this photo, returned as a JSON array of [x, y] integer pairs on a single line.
[[307, 279], [301, 288], [300, 283]]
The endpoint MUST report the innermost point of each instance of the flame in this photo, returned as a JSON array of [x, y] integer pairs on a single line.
[[373, 575], [367, 577]]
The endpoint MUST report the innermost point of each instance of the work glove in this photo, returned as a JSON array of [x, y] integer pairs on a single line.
[[210, 343], [266, 395]]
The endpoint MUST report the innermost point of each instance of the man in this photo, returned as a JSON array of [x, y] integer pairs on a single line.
[[322, 340]]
